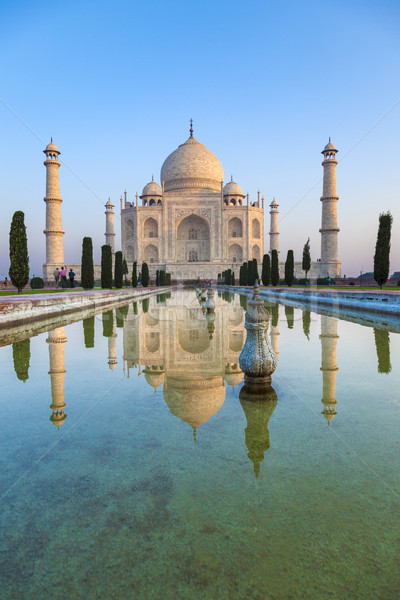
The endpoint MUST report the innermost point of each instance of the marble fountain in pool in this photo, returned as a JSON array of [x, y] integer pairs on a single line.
[[134, 464]]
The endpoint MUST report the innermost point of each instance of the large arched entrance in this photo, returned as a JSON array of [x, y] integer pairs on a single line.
[[193, 240]]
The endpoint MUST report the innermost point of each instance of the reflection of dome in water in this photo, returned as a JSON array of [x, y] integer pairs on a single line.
[[192, 165], [258, 403], [154, 376], [194, 400], [233, 374], [58, 415]]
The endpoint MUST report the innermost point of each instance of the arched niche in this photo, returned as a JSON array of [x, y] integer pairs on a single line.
[[235, 253], [235, 228], [150, 228], [193, 239], [129, 228], [130, 253], [152, 341], [150, 254], [255, 252], [255, 228]]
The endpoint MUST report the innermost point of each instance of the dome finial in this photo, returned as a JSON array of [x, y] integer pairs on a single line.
[[51, 140], [152, 177], [329, 139], [191, 128], [231, 177]]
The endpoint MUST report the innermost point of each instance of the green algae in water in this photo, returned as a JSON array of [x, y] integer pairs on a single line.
[[149, 490]]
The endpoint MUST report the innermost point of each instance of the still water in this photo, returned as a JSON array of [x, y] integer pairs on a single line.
[[134, 464]]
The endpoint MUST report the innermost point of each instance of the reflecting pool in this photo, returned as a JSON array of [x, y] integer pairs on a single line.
[[136, 464]]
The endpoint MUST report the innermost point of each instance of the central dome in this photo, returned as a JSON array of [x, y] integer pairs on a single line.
[[192, 165]]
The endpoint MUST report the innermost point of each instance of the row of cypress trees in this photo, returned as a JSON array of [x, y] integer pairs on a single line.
[[226, 277], [163, 278]]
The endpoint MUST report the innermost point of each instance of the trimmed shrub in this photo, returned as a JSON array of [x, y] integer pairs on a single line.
[[87, 275], [134, 275], [289, 268], [37, 283], [106, 267], [266, 270], [119, 272], [274, 268], [145, 275]]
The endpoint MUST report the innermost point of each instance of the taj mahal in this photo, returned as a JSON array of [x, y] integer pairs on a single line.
[[193, 225]]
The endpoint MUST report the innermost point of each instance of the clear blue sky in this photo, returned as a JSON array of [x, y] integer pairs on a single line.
[[266, 83]]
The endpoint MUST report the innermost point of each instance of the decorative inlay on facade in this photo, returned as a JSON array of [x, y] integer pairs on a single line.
[[184, 212]]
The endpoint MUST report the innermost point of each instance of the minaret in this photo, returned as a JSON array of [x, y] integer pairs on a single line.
[[274, 233], [329, 338], [110, 235], [56, 341], [329, 265], [53, 232], [112, 344], [275, 333]]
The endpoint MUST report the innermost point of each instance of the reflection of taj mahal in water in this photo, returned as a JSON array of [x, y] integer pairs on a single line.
[[173, 344]]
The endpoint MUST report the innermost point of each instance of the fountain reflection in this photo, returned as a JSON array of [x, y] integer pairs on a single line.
[[258, 403]]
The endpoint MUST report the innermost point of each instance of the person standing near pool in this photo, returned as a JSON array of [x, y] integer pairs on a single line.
[[56, 274], [63, 277], [71, 276]]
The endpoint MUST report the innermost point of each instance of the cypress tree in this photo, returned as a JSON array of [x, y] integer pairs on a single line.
[[19, 259], [382, 346], [157, 278], [233, 278], [118, 272], [289, 268], [289, 313], [266, 270], [108, 323], [168, 278], [306, 262], [21, 355], [106, 267], [245, 274], [241, 275], [255, 268], [250, 273], [88, 332], [306, 323], [382, 249], [134, 275], [125, 270], [87, 270], [145, 275], [145, 305], [162, 278], [274, 268]]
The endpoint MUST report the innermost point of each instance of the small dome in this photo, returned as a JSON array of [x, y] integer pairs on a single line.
[[329, 146], [274, 203], [109, 203], [51, 147], [152, 189], [192, 165], [233, 189]]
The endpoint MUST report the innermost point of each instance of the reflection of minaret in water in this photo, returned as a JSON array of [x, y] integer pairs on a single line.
[[329, 338], [275, 329], [56, 341], [258, 403], [112, 343]]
